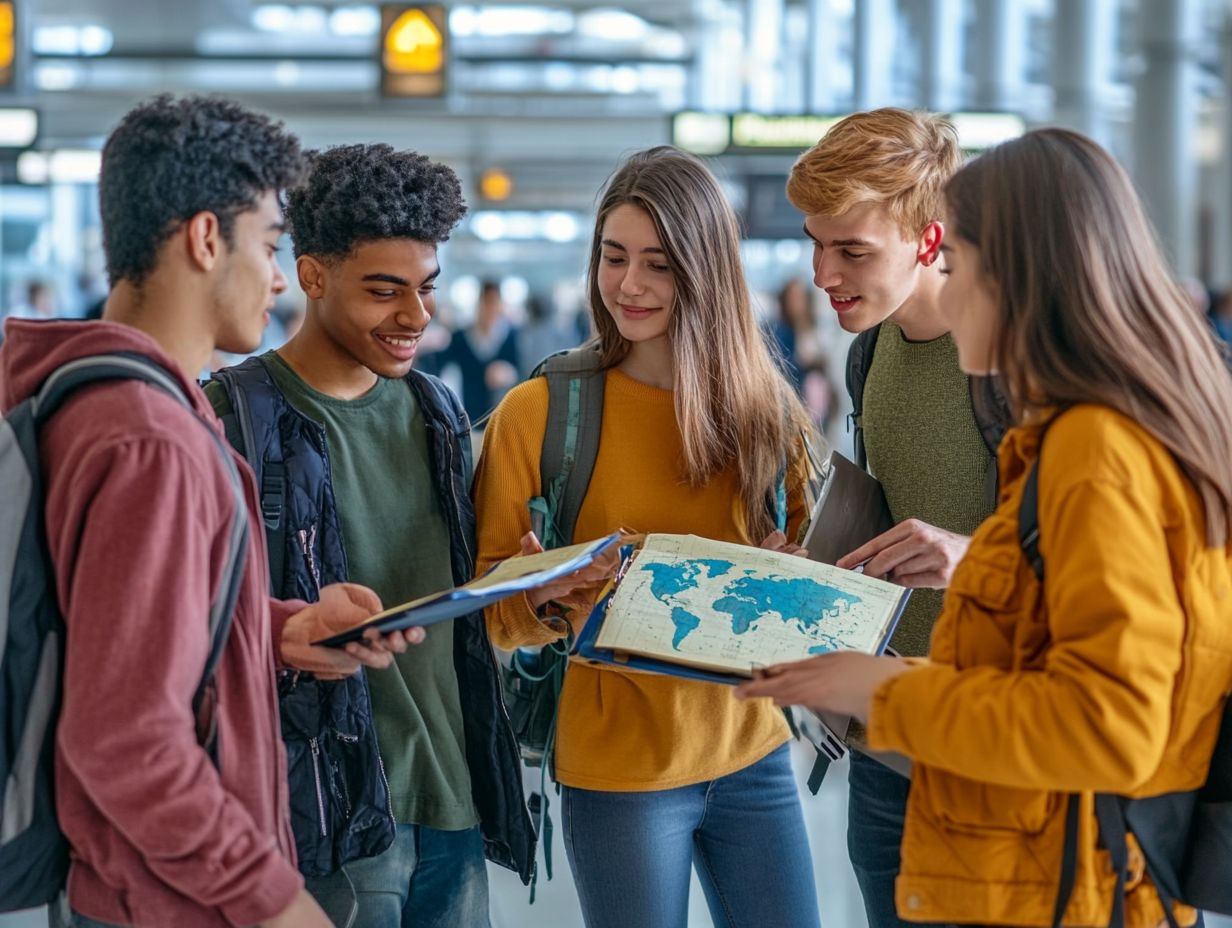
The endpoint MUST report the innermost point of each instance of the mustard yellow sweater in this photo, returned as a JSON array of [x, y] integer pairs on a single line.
[[618, 730]]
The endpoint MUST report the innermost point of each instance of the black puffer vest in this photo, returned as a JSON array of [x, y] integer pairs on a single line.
[[291, 462]]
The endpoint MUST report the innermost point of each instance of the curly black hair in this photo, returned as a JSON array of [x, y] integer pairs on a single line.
[[170, 159], [360, 193]]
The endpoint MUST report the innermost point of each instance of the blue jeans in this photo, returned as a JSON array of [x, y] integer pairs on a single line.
[[427, 879], [630, 852], [876, 813]]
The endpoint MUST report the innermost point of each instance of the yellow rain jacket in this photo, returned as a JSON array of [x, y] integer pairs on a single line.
[[1110, 680]]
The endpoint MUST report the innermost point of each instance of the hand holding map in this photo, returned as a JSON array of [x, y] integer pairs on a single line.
[[838, 683]]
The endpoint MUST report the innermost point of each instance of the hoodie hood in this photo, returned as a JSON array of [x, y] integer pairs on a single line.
[[33, 349]]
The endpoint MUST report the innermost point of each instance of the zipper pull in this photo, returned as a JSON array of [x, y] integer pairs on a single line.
[[307, 542]]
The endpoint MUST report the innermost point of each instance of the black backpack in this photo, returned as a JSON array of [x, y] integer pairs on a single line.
[[1185, 837], [989, 402], [33, 851]]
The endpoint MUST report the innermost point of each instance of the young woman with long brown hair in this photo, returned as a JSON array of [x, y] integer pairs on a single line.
[[698, 428], [1108, 676]]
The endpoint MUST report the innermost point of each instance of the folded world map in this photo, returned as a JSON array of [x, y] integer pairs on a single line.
[[730, 608]]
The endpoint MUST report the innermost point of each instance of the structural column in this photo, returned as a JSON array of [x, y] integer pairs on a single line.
[[715, 83], [1221, 263], [822, 50], [1164, 117], [941, 61], [765, 47], [1084, 33], [1001, 28], [876, 22]]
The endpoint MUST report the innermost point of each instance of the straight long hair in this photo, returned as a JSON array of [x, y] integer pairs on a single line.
[[1088, 309], [733, 405]]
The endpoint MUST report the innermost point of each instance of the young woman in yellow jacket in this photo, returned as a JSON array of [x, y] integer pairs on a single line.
[[661, 773], [1110, 678]]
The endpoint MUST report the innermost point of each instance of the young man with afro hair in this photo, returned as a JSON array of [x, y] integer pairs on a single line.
[[390, 469]]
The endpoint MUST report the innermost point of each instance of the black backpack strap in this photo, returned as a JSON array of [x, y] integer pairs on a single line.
[[131, 366], [1028, 522], [859, 363], [570, 442], [267, 466], [1069, 860], [1112, 832], [994, 417]]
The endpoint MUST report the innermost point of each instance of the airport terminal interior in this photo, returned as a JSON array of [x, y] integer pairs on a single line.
[[535, 102]]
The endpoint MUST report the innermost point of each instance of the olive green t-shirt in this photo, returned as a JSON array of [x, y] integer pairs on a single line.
[[924, 446], [397, 543]]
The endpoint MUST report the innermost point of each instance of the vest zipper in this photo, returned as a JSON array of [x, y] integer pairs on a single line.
[[346, 794], [315, 745], [307, 541]]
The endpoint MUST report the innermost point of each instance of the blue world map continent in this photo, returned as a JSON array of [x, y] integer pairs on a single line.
[[801, 601]]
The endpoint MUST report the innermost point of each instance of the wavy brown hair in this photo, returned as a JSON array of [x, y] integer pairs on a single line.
[[733, 405], [1089, 311]]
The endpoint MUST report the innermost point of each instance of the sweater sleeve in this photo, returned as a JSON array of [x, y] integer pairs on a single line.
[[131, 535], [506, 479], [1096, 715]]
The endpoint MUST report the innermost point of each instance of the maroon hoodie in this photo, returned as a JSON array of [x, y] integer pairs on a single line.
[[138, 507]]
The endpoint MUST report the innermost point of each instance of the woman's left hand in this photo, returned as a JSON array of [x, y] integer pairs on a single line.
[[841, 682], [777, 541]]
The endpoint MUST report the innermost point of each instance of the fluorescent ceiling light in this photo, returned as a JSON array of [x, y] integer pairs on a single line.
[[355, 20], [89, 40], [62, 166], [32, 167], [499, 21], [611, 24], [18, 127]]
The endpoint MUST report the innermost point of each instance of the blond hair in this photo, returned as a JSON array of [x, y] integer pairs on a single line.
[[900, 158], [734, 408]]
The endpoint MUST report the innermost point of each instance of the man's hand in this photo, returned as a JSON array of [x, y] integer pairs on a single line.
[[777, 541], [342, 606], [303, 912], [564, 591], [912, 554], [842, 682]]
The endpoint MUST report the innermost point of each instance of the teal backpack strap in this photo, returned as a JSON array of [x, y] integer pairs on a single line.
[[570, 448], [779, 507], [570, 442]]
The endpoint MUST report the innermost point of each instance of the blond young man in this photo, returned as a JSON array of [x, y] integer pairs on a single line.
[[871, 194]]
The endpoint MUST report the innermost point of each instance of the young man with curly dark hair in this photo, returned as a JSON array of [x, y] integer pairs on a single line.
[[140, 505], [380, 456]]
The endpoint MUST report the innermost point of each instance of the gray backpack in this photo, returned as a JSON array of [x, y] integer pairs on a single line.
[[33, 851]]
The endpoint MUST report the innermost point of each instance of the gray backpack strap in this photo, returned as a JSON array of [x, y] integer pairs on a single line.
[[570, 442], [131, 366], [859, 363]]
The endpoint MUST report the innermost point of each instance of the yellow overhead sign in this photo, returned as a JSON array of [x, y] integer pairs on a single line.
[[414, 50], [8, 43]]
